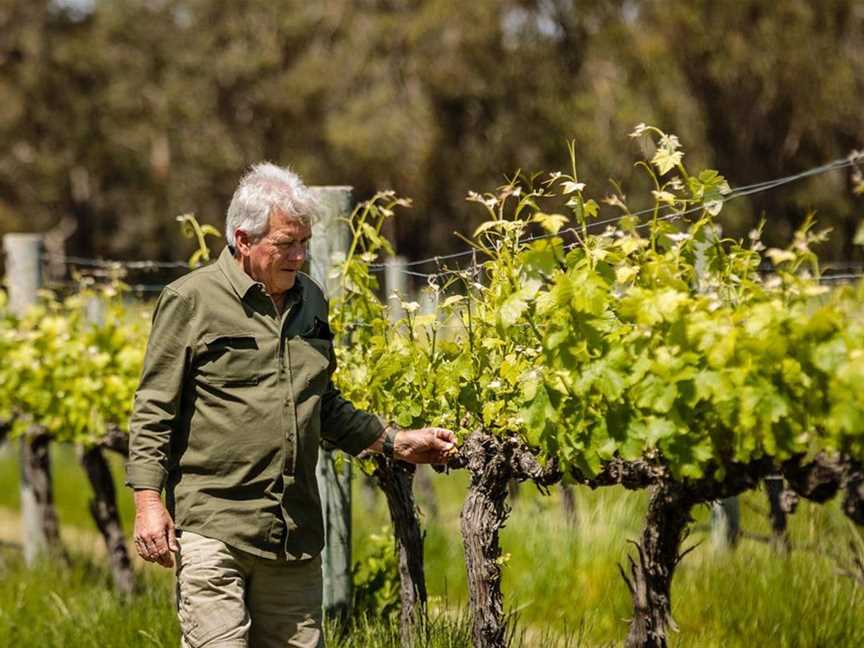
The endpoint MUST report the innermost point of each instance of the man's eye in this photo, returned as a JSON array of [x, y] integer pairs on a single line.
[[290, 244]]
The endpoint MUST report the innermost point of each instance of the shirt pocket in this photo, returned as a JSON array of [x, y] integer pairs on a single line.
[[313, 361], [233, 359]]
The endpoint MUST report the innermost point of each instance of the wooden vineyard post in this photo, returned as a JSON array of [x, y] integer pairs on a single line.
[[327, 248], [23, 270], [725, 523], [40, 527], [395, 286]]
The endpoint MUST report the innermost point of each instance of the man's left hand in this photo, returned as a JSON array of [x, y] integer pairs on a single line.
[[426, 445]]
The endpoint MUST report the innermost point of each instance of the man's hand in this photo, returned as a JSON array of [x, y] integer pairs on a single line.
[[426, 445], [154, 529]]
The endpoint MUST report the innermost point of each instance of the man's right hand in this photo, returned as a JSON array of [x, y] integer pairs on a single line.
[[154, 529]]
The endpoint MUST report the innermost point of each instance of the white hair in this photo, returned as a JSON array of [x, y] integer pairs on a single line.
[[263, 189]]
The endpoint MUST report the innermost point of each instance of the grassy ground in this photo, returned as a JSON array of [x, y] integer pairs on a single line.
[[561, 581]]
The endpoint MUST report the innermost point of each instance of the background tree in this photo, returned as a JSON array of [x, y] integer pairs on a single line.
[[119, 115]]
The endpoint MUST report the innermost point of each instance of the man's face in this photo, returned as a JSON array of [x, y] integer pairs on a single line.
[[275, 259]]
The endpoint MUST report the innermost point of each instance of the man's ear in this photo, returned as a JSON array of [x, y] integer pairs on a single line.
[[242, 242]]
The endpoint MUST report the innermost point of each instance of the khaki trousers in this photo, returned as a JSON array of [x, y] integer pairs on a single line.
[[228, 598]]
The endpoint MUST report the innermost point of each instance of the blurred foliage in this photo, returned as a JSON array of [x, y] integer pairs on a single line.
[[118, 115], [376, 578]]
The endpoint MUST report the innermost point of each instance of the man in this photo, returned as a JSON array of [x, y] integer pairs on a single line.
[[235, 395]]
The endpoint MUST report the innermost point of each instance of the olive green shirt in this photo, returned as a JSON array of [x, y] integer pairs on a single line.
[[231, 407]]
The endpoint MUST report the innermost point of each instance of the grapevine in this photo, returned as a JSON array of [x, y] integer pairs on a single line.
[[655, 353]]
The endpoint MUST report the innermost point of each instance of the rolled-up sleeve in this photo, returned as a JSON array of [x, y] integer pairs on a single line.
[[156, 409]]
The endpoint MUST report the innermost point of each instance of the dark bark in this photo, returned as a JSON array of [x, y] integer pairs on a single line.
[[513, 490], [5, 428], [817, 480], [650, 580], [774, 488], [483, 515], [853, 498], [396, 480], [116, 440], [821, 478], [632, 475], [658, 551], [492, 462], [103, 508], [39, 517]]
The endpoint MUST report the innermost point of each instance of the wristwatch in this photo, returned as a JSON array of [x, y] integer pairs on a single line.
[[389, 441]]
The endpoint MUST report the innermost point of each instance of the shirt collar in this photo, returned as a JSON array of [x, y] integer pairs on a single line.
[[242, 283]]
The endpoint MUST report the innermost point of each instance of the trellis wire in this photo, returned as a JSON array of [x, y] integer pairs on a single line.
[[736, 192], [113, 264]]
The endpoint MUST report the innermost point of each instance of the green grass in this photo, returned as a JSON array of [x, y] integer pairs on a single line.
[[75, 607], [561, 582]]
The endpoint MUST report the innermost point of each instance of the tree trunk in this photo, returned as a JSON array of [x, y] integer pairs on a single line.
[[38, 516], [396, 480], [650, 579], [483, 515], [777, 513], [103, 508]]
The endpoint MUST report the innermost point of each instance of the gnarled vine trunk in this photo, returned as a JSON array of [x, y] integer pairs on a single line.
[[821, 478], [396, 480], [483, 514], [41, 527], [658, 555], [658, 552], [493, 462], [116, 440], [853, 498], [103, 508], [777, 511]]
